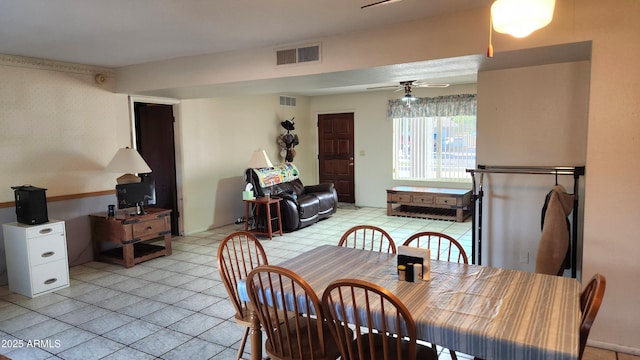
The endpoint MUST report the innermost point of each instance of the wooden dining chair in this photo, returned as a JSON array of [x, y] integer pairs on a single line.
[[442, 246], [238, 254], [274, 290], [368, 237], [389, 331], [590, 300]]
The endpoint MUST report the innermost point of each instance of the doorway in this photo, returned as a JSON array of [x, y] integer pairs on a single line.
[[335, 153], [155, 141]]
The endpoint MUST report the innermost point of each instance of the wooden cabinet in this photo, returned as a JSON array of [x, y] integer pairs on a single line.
[[431, 203], [36, 257], [124, 238]]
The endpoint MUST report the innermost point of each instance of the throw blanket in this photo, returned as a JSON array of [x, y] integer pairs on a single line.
[[554, 241], [278, 174]]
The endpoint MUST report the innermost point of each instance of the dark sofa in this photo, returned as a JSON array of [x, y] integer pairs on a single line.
[[301, 205]]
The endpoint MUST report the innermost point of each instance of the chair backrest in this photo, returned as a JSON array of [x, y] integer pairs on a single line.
[[442, 246], [378, 309], [590, 300], [368, 237], [238, 254], [287, 307]]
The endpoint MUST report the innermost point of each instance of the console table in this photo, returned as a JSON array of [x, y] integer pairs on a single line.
[[430, 203], [128, 235]]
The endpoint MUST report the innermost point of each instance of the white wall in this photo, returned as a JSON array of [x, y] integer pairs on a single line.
[[59, 127], [533, 116], [373, 139], [218, 138]]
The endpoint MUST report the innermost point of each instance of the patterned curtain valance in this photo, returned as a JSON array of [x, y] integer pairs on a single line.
[[278, 174], [463, 104]]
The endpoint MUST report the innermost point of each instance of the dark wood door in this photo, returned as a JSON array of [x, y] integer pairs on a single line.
[[155, 142], [335, 157]]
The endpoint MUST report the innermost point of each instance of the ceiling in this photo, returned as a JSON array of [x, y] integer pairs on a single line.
[[116, 33]]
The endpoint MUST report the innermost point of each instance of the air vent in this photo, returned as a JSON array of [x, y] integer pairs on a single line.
[[286, 57], [287, 101], [302, 54], [309, 53]]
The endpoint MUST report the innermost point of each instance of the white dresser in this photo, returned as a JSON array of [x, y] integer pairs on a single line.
[[36, 257]]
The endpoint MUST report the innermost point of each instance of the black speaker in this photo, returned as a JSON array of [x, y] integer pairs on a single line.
[[31, 204]]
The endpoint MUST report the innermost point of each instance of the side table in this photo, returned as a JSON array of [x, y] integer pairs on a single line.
[[266, 202], [128, 234]]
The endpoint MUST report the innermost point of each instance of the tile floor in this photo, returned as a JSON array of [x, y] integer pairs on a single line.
[[172, 307]]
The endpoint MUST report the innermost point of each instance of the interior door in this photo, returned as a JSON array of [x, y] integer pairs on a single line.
[[335, 157], [155, 142]]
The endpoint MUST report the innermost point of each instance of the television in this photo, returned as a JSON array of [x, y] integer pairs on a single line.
[[133, 194]]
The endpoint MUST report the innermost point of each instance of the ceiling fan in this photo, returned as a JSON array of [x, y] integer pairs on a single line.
[[409, 84], [379, 2]]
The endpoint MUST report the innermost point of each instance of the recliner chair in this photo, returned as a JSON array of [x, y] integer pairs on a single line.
[[301, 205]]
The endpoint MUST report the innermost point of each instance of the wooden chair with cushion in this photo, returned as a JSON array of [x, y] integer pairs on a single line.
[[238, 254], [590, 300], [368, 237], [305, 333], [442, 246], [389, 329]]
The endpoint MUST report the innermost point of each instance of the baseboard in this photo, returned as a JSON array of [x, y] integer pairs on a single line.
[[613, 347]]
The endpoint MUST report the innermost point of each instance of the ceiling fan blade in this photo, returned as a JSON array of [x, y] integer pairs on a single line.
[[426, 84], [384, 87], [432, 85], [379, 3]]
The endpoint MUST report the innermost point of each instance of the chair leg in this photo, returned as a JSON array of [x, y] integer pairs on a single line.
[[243, 342], [453, 355]]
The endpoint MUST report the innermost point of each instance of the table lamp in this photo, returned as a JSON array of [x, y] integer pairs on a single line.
[[259, 160], [128, 161]]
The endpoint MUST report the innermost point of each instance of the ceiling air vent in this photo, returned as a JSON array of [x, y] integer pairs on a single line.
[[287, 101], [302, 54]]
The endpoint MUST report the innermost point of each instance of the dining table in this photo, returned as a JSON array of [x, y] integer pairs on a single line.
[[486, 312]]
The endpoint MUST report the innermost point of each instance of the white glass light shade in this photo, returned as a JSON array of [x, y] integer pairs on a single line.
[[520, 18], [128, 161], [259, 159]]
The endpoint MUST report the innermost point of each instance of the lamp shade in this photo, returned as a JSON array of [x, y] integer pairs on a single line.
[[520, 18], [259, 159], [129, 161]]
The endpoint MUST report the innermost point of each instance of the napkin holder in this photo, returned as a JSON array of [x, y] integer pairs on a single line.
[[408, 254]]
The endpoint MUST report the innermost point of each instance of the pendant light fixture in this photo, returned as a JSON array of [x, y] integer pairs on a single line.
[[519, 18]]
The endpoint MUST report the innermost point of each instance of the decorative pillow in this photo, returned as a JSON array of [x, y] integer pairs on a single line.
[[278, 174]]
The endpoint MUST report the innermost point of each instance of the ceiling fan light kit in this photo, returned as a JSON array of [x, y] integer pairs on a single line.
[[519, 18]]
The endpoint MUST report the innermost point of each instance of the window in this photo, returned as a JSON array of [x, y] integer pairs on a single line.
[[434, 139]]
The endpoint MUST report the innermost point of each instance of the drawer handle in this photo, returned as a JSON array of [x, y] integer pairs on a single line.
[[50, 281], [46, 231], [48, 254], [149, 227]]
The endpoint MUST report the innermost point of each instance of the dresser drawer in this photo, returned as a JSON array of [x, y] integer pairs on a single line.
[[150, 229], [47, 249], [49, 276], [401, 198], [45, 230], [422, 199], [451, 201]]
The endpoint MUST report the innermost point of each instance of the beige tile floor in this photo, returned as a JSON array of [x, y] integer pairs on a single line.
[[172, 307]]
